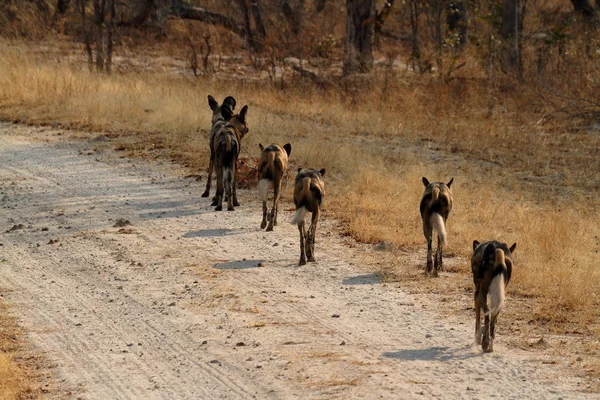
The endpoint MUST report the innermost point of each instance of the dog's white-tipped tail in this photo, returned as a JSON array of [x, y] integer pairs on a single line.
[[437, 222], [299, 215], [263, 189], [496, 294]]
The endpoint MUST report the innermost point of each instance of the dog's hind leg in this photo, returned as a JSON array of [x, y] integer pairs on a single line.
[[234, 190], [485, 344], [437, 263], [273, 215], [263, 192], [310, 245], [229, 184], [277, 201], [211, 165], [492, 332], [264, 218], [218, 202], [428, 231], [477, 317], [302, 244]]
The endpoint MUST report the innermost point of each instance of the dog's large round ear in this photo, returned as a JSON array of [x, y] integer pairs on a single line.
[[322, 172], [288, 148], [230, 101], [212, 103], [513, 247], [425, 181], [243, 114], [261, 147], [475, 244], [226, 112], [450, 183]]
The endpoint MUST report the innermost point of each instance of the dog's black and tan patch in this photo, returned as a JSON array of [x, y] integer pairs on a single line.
[[491, 265], [272, 166], [309, 190], [435, 208]]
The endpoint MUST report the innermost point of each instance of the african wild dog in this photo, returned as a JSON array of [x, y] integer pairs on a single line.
[[491, 264], [273, 164], [309, 189], [226, 147], [436, 205], [221, 115]]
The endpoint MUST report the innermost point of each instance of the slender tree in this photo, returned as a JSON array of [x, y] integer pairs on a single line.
[[360, 33], [512, 25]]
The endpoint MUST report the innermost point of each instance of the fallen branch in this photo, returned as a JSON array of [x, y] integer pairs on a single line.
[[323, 83]]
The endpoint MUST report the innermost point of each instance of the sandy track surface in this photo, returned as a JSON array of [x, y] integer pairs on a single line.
[[189, 303]]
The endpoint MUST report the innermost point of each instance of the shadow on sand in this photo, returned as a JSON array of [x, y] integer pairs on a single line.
[[243, 264], [434, 354], [208, 233], [367, 279]]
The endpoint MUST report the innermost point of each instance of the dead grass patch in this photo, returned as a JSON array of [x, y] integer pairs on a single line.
[[15, 379]]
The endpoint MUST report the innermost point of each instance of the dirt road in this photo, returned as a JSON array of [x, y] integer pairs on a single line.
[[184, 302]]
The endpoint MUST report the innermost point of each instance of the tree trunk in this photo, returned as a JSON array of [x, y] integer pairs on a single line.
[[258, 21], [254, 44], [142, 15], [584, 7], [81, 6], [511, 32], [360, 32], [110, 36], [99, 13], [456, 19], [62, 6], [320, 5], [383, 15], [42, 5], [415, 11], [293, 15]]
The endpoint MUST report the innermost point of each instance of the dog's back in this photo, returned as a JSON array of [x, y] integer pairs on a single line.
[[309, 188], [230, 131], [273, 160], [485, 264], [437, 198]]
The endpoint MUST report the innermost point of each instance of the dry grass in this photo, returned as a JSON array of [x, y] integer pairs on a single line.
[[14, 379], [515, 179]]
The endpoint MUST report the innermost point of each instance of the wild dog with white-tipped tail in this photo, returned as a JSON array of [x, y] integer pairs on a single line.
[[221, 116], [491, 264], [272, 167], [226, 146], [309, 190], [435, 207]]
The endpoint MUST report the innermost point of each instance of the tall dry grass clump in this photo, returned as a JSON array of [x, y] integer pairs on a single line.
[[14, 380]]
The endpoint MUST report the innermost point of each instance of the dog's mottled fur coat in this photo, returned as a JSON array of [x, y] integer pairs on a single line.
[[435, 207], [491, 265], [309, 190], [272, 167]]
